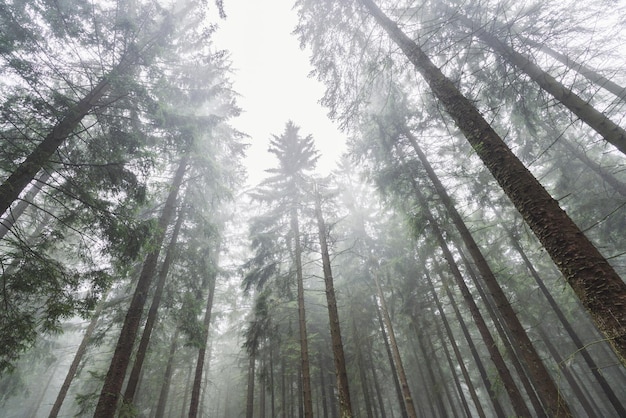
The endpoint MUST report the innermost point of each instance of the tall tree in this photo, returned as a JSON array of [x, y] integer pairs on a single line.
[[286, 189], [333, 314], [596, 283]]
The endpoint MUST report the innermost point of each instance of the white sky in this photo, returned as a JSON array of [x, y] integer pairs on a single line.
[[271, 75]]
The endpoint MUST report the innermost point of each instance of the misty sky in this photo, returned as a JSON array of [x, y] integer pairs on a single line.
[[272, 78]]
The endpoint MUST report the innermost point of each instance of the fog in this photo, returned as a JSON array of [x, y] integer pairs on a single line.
[[312, 209]]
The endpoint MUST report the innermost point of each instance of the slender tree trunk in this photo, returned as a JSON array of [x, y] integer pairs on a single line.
[[580, 346], [617, 185], [506, 338], [361, 366], [457, 352], [379, 393], [323, 384], [600, 289], [609, 130], [304, 346], [262, 392], [584, 70], [497, 407], [250, 397], [142, 349], [7, 223], [272, 391], [110, 394], [167, 378], [507, 380], [197, 382], [333, 315], [404, 384], [565, 371], [394, 372], [80, 352], [428, 362]]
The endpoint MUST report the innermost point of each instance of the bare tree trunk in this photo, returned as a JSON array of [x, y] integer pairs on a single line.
[[361, 366], [250, 397], [404, 384], [497, 407], [457, 352], [593, 367], [142, 349], [7, 223], [379, 393], [394, 371], [609, 130], [584, 70], [304, 346], [507, 380], [167, 379], [197, 382], [80, 352], [110, 394], [333, 315], [600, 289]]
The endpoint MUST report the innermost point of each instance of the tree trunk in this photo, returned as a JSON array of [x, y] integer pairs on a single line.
[[609, 130], [428, 362], [457, 352], [142, 349], [250, 397], [379, 393], [361, 366], [7, 223], [497, 407], [110, 394], [323, 384], [167, 378], [617, 185], [197, 381], [80, 352], [304, 346], [507, 380], [580, 346], [600, 289], [394, 372], [404, 384], [587, 72], [333, 315]]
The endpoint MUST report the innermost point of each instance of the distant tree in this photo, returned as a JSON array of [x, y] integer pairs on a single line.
[[284, 192]]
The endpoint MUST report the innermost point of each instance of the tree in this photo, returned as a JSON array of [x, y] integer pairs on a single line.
[[596, 283], [333, 315], [286, 189]]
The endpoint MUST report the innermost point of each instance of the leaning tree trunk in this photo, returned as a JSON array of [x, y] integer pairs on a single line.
[[584, 70], [404, 384], [455, 349], [580, 346], [304, 346], [142, 349], [599, 287], [333, 315], [7, 223], [609, 130], [110, 394], [80, 352], [507, 380], [520, 342], [394, 371], [197, 382], [167, 378]]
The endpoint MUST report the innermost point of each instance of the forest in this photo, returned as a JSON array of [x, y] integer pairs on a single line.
[[464, 258]]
